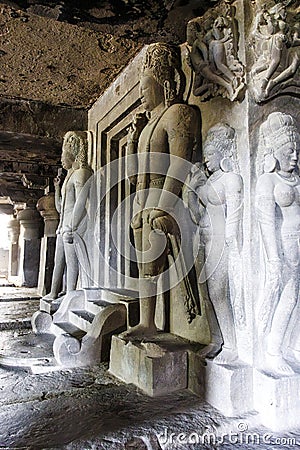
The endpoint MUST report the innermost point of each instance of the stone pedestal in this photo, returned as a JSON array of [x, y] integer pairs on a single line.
[[277, 400], [157, 365], [226, 387]]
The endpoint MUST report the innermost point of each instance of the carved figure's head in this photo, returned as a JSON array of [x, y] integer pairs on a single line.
[[74, 150], [278, 11], [162, 65], [220, 23], [219, 147], [279, 141]]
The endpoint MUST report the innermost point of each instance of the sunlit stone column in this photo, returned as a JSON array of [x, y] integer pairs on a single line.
[[13, 228], [30, 243], [46, 208]]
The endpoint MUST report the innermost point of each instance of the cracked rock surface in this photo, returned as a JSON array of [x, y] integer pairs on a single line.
[[87, 408], [68, 52]]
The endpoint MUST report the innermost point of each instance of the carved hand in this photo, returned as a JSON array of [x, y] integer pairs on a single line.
[[68, 237], [198, 179], [136, 127], [136, 221], [57, 181], [162, 221]]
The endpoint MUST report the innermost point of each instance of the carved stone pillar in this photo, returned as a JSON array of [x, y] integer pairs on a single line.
[[30, 244], [13, 227], [46, 207]]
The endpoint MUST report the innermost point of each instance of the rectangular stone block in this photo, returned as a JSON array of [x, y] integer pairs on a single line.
[[277, 400], [226, 387], [156, 367]]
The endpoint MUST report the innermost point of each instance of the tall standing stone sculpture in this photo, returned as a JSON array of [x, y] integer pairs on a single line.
[[74, 160], [171, 129], [278, 214], [220, 219]]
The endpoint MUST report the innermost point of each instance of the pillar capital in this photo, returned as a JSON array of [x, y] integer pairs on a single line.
[[30, 221], [46, 208]]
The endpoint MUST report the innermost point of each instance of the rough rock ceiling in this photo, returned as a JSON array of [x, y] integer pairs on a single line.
[[58, 57]]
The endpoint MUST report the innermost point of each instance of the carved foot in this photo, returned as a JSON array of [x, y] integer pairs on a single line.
[[210, 351], [138, 331], [226, 356], [277, 365], [50, 296]]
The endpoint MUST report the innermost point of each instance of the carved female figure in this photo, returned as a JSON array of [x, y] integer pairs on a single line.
[[278, 214], [222, 196], [74, 160], [170, 129]]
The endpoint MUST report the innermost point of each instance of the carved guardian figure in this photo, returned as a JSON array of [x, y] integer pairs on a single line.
[[278, 215], [74, 160], [171, 129], [220, 199]]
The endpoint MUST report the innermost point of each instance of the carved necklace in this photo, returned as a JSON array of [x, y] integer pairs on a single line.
[[290, 180], [216, 175]]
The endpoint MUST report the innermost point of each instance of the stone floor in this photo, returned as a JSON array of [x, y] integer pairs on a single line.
[[90, 409]]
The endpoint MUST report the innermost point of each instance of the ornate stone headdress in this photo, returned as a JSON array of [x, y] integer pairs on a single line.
[[163, 63], [277, 130], [78, 146], [222, 137]]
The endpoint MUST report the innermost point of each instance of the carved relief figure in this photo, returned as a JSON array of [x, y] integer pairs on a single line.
[[214, 58], [220, 198], [278, 215], [276, 49], [170, 129], [74, 160]]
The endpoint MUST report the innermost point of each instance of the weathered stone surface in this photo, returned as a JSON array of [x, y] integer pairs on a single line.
[[226, 387], [157, 365], [275, 399]]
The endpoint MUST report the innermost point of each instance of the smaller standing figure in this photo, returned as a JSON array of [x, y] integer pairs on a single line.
[[214, 60], [74, 160], [278, 214], [220, 219], [277, 53]]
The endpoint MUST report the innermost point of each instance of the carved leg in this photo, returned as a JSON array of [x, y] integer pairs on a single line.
[[72, 266], [219, 295], [214, 347], [275, 360], [152, 260], [285, 74], [59, 267]]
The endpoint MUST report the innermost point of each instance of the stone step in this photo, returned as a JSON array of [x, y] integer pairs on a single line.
[[69, 328], [49, 306], [81, 319], [95, 307], [111, 295]]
